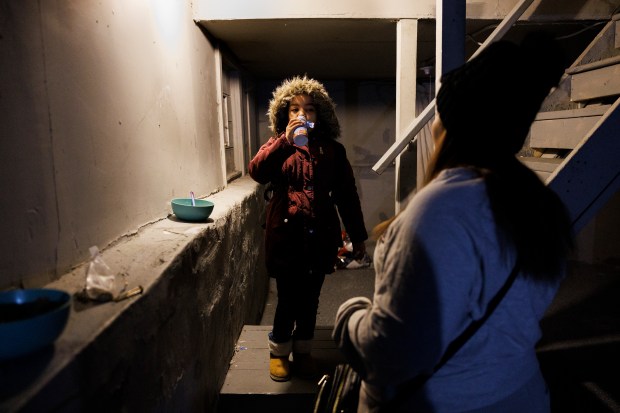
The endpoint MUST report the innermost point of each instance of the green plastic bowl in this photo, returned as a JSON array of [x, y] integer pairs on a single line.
[[31, 319], [184, 210]]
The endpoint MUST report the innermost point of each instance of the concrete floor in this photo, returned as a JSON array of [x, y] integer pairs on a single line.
[[248, 387], [586, 309], [581, 333]]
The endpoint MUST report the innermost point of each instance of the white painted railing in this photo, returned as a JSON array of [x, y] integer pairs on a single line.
[[411, 132]]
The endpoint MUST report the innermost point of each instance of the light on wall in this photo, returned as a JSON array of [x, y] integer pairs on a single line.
[[168, 17]]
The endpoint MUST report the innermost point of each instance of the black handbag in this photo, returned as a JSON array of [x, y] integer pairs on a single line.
[[339, 393]]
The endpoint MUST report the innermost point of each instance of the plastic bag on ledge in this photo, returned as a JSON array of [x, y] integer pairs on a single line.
[[102, 284]]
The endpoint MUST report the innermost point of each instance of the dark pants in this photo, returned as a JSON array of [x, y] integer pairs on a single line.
[[298, 302]]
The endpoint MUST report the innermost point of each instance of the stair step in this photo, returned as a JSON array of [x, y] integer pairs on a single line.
[[247, 386], [543, 167], [564, 129], [541, 164], [610, 61], [602, 80]]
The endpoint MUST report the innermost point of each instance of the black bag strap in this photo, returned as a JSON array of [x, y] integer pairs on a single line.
[[417, 382]]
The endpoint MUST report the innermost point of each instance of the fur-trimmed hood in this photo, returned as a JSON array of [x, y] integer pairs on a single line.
[[327, 123]]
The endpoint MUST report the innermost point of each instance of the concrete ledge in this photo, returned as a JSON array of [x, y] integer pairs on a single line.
[[169, 348]]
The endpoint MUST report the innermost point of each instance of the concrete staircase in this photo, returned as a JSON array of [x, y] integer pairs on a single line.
[[248, 388]]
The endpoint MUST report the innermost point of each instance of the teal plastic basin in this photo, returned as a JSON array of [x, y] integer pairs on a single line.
[[31, 319], [184, 210]]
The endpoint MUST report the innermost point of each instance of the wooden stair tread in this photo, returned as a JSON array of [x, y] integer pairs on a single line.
[[603, 82], [248, 387], [564, 129], [594, 110], [541, 164]]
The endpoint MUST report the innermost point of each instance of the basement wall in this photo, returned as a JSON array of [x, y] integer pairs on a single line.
[[108, 110]]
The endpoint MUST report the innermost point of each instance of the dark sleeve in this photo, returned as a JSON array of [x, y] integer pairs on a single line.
[[346, 198], [266, 166]]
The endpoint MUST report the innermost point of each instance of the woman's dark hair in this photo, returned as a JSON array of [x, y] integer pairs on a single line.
[[487, 107]]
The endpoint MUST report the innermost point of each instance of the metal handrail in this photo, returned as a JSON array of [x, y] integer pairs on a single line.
[[411, 132]]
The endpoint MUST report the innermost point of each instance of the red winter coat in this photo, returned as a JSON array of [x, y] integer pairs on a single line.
[[302, 228]]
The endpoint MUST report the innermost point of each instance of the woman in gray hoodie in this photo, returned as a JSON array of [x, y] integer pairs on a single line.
[[483, 224]]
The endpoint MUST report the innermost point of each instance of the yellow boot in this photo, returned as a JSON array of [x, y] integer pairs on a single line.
[[279, 365], [279, 368]]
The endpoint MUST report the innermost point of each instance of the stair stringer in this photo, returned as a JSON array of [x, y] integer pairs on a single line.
[[590, 174]]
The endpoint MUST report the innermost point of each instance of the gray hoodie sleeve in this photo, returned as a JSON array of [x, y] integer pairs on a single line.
[[348, 313]]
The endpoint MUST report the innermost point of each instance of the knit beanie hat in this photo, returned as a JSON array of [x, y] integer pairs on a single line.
[[492, 100]]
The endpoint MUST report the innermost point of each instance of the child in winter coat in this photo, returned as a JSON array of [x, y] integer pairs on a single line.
[[309, 176]]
